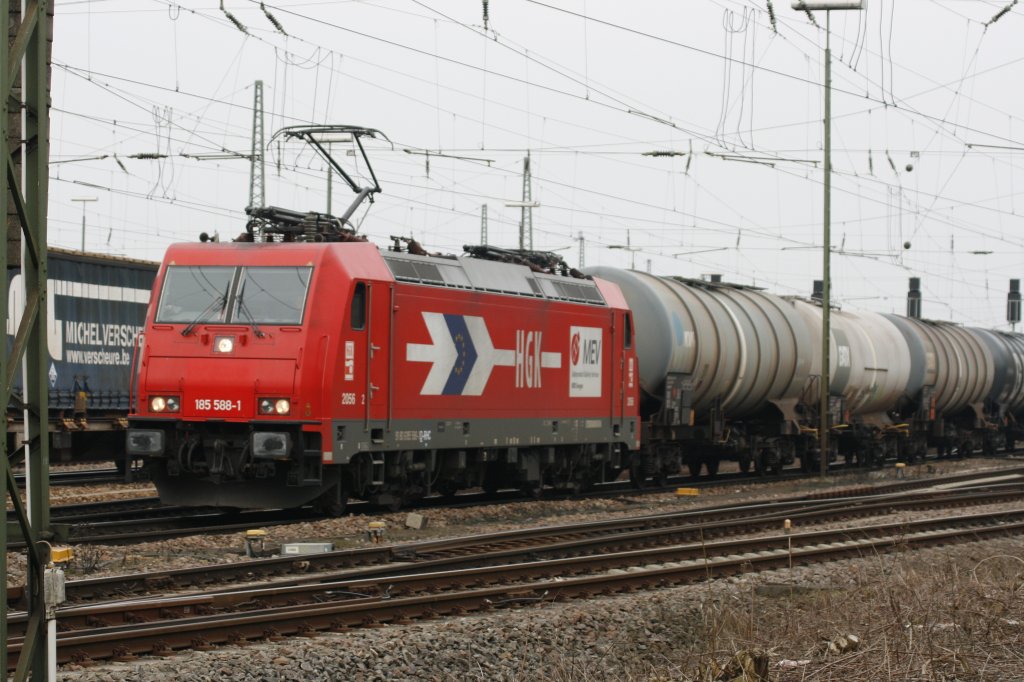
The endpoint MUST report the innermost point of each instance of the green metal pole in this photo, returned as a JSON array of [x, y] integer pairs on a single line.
[[24, 152], [37, 356], [4, 394], [826, 275]]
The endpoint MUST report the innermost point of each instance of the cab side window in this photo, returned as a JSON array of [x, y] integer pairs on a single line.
[[358, 309], [628, 334]]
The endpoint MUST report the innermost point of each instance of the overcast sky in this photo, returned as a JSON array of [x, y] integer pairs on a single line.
[[928, 132]]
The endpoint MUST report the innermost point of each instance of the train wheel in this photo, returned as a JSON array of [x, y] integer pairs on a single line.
[[639, 472], [744, 463], [636, 478], [447, 490], [808, 463], [711, 464], [332, 503], [533, 490], [492, 479], [694, 467]]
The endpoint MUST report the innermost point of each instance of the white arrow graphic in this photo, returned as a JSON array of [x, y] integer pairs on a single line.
[[487, 356], [441, 353]]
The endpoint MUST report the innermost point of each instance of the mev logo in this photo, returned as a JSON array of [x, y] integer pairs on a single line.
[[585, 362]]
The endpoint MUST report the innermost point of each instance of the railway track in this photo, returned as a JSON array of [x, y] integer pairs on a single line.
[[149, 524], [517, 567], [78, 477], [707, 523], [146, 520]]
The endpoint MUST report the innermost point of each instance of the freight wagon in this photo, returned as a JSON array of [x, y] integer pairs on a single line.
[[97, 307]]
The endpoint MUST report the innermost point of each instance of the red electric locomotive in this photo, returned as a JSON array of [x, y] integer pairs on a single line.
[[275, 374], [279, 373]]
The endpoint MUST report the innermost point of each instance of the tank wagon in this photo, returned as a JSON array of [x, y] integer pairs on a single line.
[[97, 307], [732, 372]]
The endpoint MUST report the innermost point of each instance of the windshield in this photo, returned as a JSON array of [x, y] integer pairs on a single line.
[[232, 295], [191, 293], [271, 295]]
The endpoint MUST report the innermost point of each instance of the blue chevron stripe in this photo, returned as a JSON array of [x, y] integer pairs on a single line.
[[465, 355]]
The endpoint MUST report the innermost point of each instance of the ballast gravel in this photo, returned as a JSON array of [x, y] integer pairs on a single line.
[[444, 522], [664, 634], [657, 635]]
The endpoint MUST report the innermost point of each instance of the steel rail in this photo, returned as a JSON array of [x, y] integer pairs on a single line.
[[447, 573], [698, 562], [651, 529]]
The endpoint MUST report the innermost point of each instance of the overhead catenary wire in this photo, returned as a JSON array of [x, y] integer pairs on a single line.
[[707, 209]]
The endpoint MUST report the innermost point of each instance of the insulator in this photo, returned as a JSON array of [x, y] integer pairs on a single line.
[[272, 19], [914, 298], [1013, 302]]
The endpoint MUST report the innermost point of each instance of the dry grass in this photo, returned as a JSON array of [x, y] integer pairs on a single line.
[[954, 614]]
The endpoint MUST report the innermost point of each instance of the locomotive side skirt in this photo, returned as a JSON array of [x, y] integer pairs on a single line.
[[351, 437]]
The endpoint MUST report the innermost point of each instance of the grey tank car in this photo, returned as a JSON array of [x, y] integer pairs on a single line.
[[733, 372]]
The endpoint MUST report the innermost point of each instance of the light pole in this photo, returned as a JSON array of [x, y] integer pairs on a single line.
[[84, 201], [826, 275]]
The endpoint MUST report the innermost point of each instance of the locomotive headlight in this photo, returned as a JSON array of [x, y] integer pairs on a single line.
[[224, 344], [160, 403], [275, 406]]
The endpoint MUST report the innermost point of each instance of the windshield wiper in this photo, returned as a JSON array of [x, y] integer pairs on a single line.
[[244, 309], [216, 305]]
